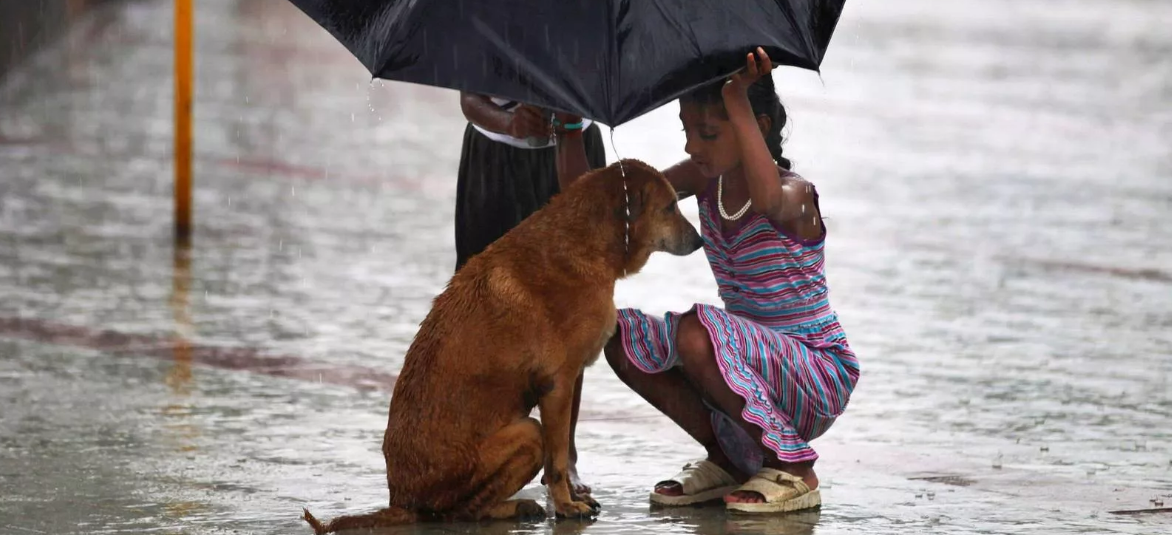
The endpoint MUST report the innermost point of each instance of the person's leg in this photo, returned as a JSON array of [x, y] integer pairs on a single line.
[[484, 198], [701, 370], [576, 484], [596, 156], [595, 147], [671, 393]]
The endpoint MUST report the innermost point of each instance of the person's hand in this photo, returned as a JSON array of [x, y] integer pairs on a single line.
[[563, 119], [756, 66], [529, 121]]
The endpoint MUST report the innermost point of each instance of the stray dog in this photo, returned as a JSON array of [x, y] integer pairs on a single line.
[[514, 329]]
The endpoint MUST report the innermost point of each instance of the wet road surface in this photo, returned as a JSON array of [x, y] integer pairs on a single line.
[[996, 180]]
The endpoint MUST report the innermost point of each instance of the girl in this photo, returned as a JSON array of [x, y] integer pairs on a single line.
[[754, 382]]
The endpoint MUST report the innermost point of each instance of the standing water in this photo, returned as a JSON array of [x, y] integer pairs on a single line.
[[995, 176]]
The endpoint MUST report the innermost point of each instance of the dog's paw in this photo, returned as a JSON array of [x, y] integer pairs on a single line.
[[529, 510], [576, 509], [595, 507]]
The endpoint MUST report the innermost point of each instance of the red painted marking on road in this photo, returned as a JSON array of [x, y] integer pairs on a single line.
[[287, 170], [21, 141], [1147, 274], [222, 357], [236, 359], [270, 167], [259, 166]]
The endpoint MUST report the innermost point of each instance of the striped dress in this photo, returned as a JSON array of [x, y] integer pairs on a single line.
[[778, 342]]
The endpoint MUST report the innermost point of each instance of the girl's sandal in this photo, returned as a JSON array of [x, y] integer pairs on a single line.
[[702, 481], [782, 492]]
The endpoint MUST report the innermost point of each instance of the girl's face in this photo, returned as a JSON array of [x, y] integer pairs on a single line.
[[711, 142]]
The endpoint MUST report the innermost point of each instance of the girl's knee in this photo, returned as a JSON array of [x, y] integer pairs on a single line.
[[615, 355]]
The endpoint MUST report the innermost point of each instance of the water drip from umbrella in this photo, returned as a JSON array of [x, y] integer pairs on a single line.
[[626, 205]]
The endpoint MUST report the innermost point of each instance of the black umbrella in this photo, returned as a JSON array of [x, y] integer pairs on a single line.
[[607, 60]]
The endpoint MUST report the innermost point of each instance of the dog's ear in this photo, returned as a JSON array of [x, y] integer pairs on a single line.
[[634, 200], [638, 201]]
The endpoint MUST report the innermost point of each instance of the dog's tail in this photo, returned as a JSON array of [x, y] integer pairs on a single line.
[[391, 516]]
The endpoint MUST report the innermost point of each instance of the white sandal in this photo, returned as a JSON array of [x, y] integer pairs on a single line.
[[701, 480], [782, 492]]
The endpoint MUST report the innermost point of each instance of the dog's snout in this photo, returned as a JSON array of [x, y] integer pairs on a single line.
[[687, 240], [697, 241]]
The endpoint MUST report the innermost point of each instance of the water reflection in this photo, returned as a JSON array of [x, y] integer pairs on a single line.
[[181, 428], [999, 256], [713, 521]]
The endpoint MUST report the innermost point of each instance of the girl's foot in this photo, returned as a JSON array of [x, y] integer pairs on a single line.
[[804, 472], [673, 488]]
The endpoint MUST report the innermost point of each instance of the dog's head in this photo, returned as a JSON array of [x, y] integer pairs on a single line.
[[656, 223]]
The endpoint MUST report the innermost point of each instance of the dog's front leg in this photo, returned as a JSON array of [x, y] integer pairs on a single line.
[[555, 423]]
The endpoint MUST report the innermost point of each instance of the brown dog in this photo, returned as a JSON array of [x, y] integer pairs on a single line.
[[514, 329]]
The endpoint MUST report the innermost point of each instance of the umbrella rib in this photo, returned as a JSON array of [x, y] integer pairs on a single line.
[[613, 62], [797, 28], [403, 17], [689, 32], [538, 73]]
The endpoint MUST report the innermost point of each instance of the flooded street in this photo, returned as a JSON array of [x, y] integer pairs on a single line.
[[996, 178]]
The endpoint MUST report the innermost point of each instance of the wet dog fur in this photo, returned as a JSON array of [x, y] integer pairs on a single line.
[[514, 329]]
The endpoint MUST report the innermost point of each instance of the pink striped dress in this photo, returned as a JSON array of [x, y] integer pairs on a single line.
[[778, 341]]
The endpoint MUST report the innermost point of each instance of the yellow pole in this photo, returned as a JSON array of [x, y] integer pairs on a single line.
[[184, 29]]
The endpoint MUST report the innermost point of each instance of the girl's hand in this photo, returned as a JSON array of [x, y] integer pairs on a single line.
[[755, 67]]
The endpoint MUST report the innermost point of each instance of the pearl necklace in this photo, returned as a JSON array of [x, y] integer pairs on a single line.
[[720, 202]]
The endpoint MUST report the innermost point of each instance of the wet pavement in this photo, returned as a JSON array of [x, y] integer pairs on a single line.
[[996, 179]]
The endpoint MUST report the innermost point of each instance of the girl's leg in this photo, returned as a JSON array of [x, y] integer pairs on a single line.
[[702, 372], [675, 397]]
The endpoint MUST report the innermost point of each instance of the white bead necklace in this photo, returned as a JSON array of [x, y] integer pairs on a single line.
[[720, 202]]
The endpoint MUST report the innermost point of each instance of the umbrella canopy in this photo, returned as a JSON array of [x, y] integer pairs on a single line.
[[607, 60]]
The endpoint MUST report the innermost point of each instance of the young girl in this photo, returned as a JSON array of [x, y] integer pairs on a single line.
[[753, 382]]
